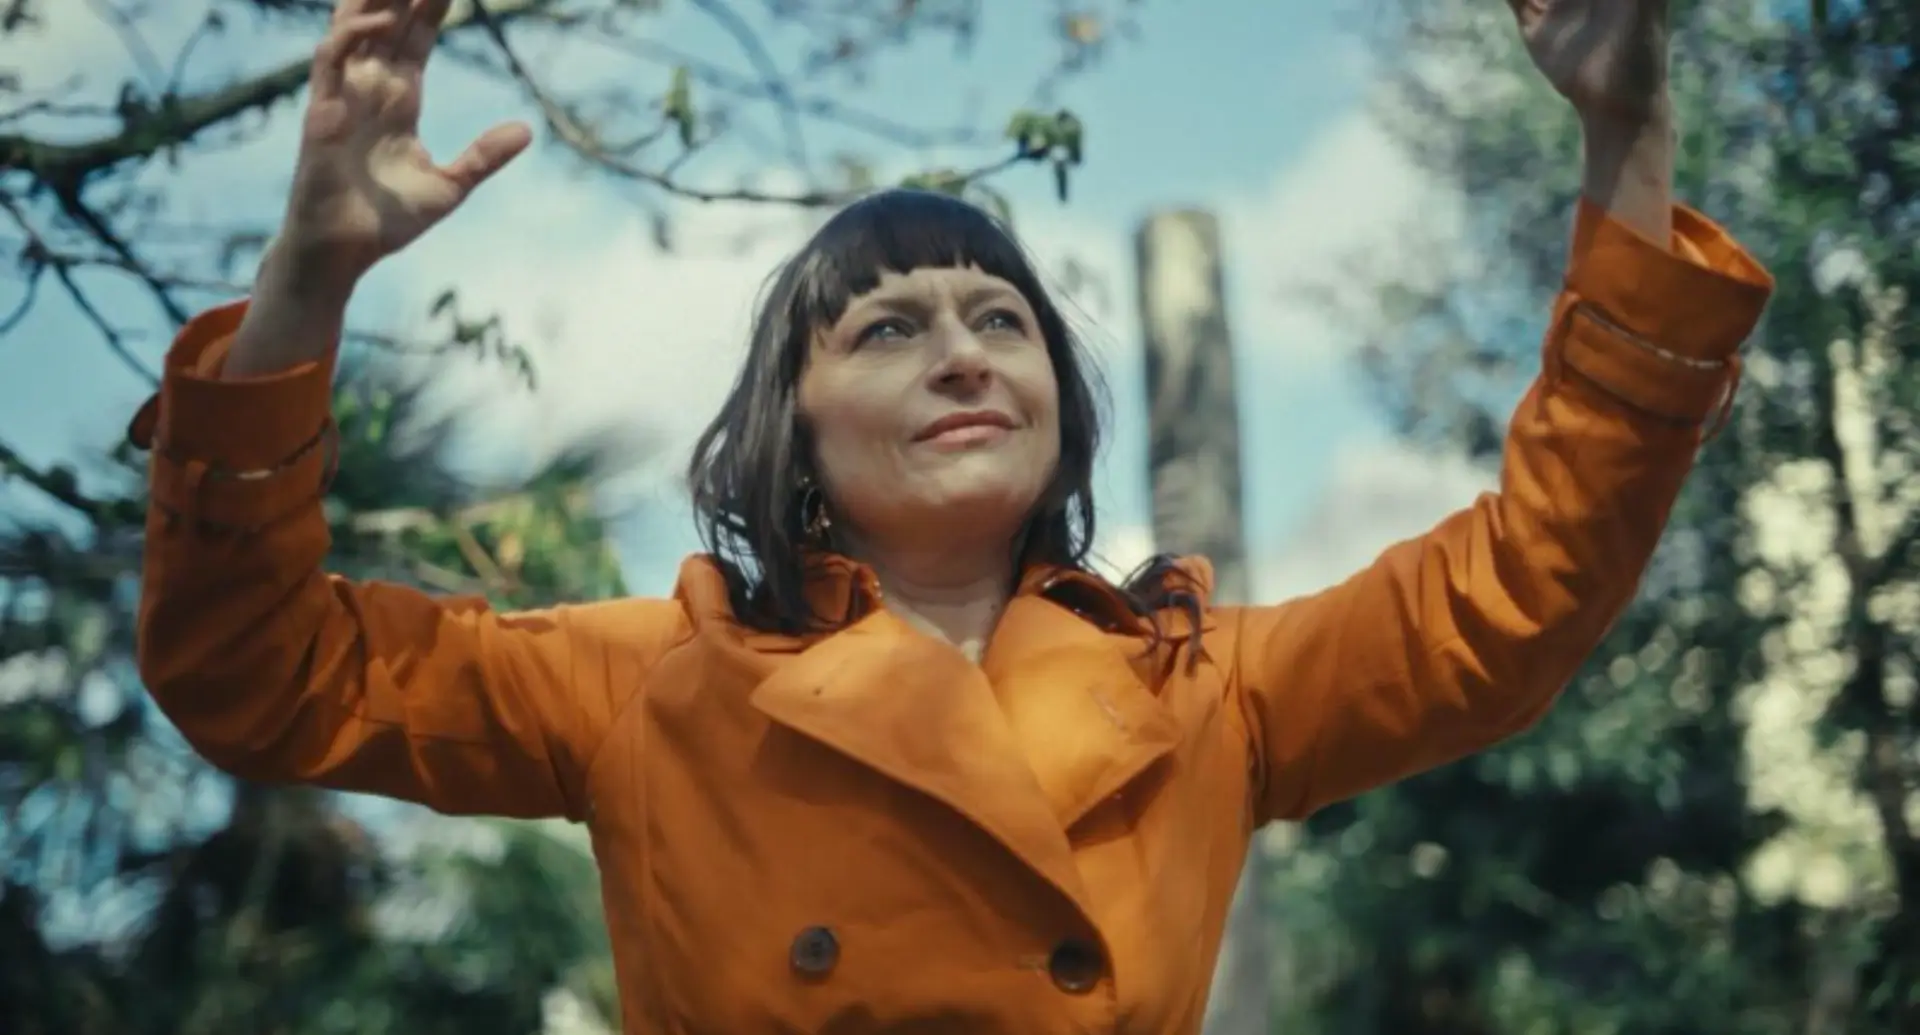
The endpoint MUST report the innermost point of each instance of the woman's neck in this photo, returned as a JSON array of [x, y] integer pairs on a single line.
[[954, 595]]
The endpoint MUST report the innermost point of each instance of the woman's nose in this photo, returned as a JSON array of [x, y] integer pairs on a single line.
[[963, 359]]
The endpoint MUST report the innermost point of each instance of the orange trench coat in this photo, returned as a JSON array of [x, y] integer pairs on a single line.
[[864, 831]]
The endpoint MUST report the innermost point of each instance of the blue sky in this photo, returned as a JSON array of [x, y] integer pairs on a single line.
[[1254, 110]]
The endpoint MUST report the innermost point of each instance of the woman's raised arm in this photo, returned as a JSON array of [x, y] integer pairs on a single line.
[[1463, 636], [270, 667], [1456, 639], [276, 671]]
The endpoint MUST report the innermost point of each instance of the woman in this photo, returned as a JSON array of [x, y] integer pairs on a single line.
[[891, 758]]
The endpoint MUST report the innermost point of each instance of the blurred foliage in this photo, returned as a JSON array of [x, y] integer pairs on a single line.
[[143, 892], [1711, 833]]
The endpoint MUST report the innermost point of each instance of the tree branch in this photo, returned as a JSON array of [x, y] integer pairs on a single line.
[[57, 484], [180, 120], [585, 143], [41, 259], [770, 79], [821, 109], [174, 122]]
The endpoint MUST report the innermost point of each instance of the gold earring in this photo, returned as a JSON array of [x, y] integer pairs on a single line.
[[814, 519]]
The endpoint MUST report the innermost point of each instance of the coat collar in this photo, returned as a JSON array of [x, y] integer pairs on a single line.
[[1061, 713], [843, 589]]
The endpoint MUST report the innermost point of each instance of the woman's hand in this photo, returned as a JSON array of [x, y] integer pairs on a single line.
[[1607, 57], [364, 186]]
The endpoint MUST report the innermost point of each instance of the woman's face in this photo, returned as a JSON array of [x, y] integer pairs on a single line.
[[934, 411]]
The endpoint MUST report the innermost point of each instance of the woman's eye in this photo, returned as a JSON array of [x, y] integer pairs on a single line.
[[885, 330], [1003, 320]]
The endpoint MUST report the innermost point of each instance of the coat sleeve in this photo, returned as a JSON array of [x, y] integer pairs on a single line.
[[276, 671], [1452, 641]]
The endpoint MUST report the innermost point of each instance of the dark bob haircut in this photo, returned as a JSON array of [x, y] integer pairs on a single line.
[[753, 463]]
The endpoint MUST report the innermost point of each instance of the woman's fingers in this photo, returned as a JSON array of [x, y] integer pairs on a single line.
[[488, 155], [414, 43], [347, 38]]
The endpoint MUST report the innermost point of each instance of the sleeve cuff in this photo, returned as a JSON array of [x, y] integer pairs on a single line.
[[1698, 299], [1658, 328], [246, 425], [186, 491]]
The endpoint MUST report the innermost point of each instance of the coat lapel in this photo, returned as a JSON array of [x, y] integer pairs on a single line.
[[1077, 706], [918, 712], [1054, 720]]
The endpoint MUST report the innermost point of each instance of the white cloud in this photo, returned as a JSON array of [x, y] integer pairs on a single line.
[[1349, 203], [619, 330], [77, 43], [68, 43], [1120, 548], [1383, 492]]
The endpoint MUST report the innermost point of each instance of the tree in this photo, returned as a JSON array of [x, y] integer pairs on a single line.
[[144, 892], [1646, 860], [268, 917]]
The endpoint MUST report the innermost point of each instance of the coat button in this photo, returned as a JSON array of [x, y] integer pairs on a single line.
[[1075, 966], [815, 951]]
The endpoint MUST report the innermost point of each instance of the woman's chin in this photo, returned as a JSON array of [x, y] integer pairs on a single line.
[[988, 477], [972, 511]]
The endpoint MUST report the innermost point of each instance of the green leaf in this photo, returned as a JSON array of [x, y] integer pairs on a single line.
[[1069, 136], [944, 181], [677, 106]]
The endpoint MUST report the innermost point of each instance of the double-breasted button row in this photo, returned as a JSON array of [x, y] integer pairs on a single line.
[[1075, 965]]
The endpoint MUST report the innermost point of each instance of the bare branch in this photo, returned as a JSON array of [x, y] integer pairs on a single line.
[[590, 147], [177, 121], [28, 295], [80, 212], [819, 109], [115, 339], [180, 120], [43, 259], [770, 78], [56, 484], [130, 38]]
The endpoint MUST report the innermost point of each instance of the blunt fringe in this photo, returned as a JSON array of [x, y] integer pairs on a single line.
[[751, 464]]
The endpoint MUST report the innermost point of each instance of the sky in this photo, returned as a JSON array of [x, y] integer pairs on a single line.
[[1256, 112]]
